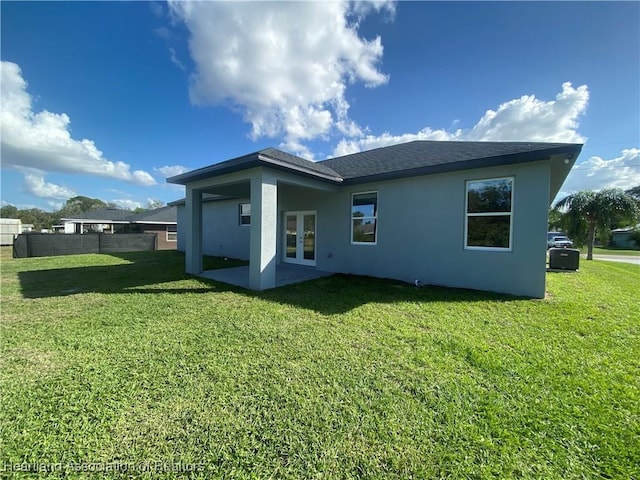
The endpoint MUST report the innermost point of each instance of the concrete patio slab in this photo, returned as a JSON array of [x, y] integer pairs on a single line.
[[286, 274]]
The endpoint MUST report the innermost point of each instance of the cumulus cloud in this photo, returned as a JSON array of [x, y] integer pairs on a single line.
[[368, 142], [35, 185], [43, 141], [597, 173], [285, 66], [522, 119], [528, 118]]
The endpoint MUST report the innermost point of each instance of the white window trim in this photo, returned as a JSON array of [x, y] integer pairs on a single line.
[[168, 232], [351, 218], [488, 214], [240, 215]]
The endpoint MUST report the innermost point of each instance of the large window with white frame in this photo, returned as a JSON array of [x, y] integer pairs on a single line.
[[364, 218], [489, 214], [244, 214]]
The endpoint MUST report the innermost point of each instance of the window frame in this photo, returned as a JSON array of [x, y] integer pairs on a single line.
[[244, 215], [510, 214], [375, 217], [174, 233]]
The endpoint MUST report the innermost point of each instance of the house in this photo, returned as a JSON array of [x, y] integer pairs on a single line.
[[621, 237], [459, 214], [101, 220], [160, 221]]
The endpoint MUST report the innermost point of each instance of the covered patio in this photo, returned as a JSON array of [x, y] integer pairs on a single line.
[[286, 274], [257, 177]]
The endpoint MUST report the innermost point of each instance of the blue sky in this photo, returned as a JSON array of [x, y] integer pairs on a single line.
[[105, 99]]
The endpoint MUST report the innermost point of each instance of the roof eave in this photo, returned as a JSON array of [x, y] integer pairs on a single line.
[[260, 161], [154, 222], [298, 169]]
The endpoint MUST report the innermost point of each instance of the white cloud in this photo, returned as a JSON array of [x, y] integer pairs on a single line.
[[175, 60], [126, 203], [284, 65], [35, 185], [528, 118], [523, 119], [346, 147], [42, 140], [171, 170], [597, 173]]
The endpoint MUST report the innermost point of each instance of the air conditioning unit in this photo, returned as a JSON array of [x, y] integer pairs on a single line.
[[564, 258]]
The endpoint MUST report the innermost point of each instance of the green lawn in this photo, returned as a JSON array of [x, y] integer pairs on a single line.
[[613, 251], [125, 359]]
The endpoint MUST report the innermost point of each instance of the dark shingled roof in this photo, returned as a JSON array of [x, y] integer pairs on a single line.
[[168, 214], [423, 157], [269, 157], [420, 157], [301, 162]]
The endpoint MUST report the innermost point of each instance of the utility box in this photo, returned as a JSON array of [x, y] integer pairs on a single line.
[[564, 258]]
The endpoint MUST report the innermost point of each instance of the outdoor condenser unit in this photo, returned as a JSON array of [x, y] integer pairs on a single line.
[[564, 258]]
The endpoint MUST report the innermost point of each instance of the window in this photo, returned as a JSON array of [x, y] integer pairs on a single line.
[[364, 216], [245, 214], [489, 212], [172, 233]]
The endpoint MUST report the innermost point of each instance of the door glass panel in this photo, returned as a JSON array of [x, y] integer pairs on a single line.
[[292, 235], [309, 237]]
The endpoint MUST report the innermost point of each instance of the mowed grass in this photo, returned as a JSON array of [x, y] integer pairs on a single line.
[[613, 251], [127, 359]]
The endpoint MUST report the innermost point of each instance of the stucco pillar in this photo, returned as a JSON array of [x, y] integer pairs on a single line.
[[264, 224], [193, 230]]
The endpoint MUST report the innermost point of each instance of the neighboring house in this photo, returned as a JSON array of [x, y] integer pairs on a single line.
[[460, 214], [102, 220], [621, 237], [161, 221]]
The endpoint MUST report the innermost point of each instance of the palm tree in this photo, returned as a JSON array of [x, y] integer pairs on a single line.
[[590, 212]]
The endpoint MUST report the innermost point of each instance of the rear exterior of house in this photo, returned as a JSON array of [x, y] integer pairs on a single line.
[[469, 223]]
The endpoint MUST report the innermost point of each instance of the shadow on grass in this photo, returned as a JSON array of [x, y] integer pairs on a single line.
[[144, 272], [147, 272]]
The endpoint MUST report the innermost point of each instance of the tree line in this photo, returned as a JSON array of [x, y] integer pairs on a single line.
[[73, 206]]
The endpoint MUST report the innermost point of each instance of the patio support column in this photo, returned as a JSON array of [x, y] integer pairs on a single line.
[[264, 224], [193, 224]]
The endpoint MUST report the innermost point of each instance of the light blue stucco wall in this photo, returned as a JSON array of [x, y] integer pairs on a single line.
[[420, 234], [222, 235]]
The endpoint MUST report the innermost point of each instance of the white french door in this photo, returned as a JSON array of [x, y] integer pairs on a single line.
[[300, 237]]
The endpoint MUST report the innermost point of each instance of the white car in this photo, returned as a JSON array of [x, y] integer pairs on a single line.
[[559, 241]]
